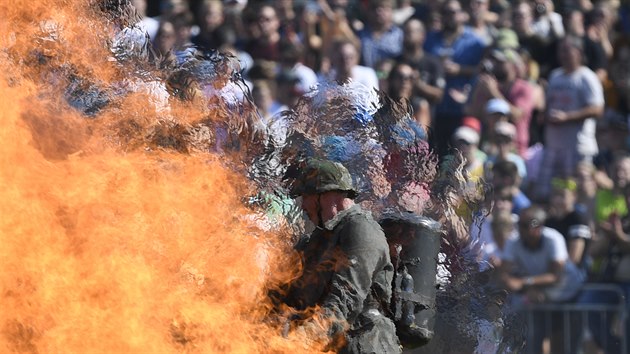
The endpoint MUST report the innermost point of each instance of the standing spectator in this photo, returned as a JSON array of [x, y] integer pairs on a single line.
[[594, 53], [148, 24], [575, 101], [500, 87], [291, 57], [540, 49], [289, 20], [380, 38], [478, 12], [265, 42], [547, 22], [345, 66], [600, 21], [401, 87], [210, 26], [430, 83], [165, 39], [182, 24], [461, 51], [618, 92], [323, 23], [536, 269]]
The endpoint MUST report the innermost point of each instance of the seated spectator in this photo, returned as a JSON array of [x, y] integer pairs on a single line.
[[536, 269], [504, 174]]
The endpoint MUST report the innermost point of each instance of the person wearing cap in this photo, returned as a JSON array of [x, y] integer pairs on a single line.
[[500, 90], [466, 140], [347, 272], [575, 101], [502, 148]]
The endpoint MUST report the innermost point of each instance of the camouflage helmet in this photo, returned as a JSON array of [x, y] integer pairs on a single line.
[[320, 176]]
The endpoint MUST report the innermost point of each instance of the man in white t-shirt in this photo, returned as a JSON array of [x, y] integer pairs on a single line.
[[536, 269], [345, 66], [575, 100]]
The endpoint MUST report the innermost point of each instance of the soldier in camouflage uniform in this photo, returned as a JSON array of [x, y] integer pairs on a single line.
[[347, 269]]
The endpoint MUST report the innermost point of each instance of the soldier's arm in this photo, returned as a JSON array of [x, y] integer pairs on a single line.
[[365, 252]]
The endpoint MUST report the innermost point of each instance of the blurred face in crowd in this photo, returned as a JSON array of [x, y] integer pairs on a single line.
[[478, 8], [381, 14], [268, 21], [345, 58], [569, 55], [561, 202], [413, 34], [401, 81], [502, 201], [166, 37], [530, 229], [212, 12], [522, 18], [452, 16], [621, 173], [574, 23]]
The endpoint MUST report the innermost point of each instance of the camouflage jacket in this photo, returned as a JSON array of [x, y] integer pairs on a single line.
[[348, 273]]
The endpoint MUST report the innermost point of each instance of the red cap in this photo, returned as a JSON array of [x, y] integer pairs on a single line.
[[473, 123]]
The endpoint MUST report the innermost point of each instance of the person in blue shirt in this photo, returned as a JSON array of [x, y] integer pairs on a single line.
[[460, 50]]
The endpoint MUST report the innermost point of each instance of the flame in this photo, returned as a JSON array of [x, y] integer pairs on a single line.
[[110, 244]]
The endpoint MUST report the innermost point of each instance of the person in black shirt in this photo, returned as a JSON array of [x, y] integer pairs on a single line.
[[572, 224]]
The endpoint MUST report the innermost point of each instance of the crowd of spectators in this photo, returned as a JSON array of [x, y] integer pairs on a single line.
[[534, 93]]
